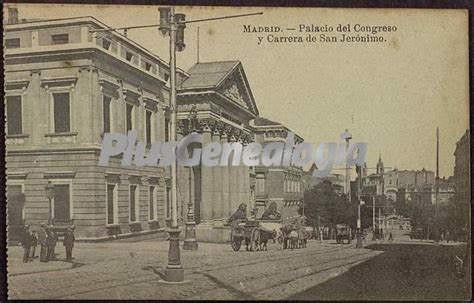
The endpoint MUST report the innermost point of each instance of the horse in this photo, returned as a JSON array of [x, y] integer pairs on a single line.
[[265, 236]]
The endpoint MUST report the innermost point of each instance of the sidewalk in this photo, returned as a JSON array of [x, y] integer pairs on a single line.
[[17, 267]]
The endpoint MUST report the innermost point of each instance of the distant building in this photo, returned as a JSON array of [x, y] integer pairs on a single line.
[[370, 184], [462, 170], [337, 180], [403, 185], [446, 190], [282, 184]]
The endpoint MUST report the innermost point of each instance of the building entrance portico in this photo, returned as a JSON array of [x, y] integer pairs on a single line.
[[216, 102]]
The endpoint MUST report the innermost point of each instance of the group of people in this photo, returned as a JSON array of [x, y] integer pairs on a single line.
[[47, 238]]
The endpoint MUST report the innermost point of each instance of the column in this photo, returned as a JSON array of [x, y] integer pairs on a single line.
[[246, 173], [216, 182], [225, 192], [206, 181], [234, 203], [241, 182], [246, 178]]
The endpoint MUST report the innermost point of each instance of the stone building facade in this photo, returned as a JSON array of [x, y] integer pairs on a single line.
[[66, 86], [280, 184]]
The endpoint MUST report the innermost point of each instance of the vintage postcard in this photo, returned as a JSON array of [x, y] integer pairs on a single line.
[[236, 153]]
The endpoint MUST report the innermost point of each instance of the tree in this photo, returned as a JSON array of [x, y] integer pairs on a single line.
[[325, 202]]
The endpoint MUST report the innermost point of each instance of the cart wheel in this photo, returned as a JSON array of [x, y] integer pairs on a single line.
[[255, 239], [235, 242]]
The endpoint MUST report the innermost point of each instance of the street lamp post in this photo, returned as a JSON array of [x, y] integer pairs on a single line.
[[359, 226], [49, 189], [190, 242], [174, 272], [173, 25]]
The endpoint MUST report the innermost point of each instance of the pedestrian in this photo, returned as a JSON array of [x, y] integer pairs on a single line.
[[26, 243], [52, 240], [448, 237], [34, 243], [68, 243], [390, 236], [43, 242]]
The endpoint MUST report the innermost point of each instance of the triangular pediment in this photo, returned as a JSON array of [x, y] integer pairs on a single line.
[[235, 87], [227, 79]]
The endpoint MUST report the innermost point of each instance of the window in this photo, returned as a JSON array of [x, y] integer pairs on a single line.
[[106, 113], [260, 185], [62, 117], [14, 115], [112, 199], [129, 116], [128, 56], [147, 66], [62, 203], [167, 129], [60, 39], [148, 126], [152, 202], [167, 76], [16, 204], [12, 43], [134, 203]]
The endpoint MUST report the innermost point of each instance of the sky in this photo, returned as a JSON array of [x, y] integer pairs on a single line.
[[391, 95]]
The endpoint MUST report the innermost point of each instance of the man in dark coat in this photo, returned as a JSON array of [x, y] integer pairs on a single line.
[[43, 242], [52, 239], [68, 243], [26, 243]]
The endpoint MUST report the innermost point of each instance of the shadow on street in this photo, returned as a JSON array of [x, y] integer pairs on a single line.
[[402, 272]]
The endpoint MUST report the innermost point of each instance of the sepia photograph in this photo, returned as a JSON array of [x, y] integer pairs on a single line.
[[158, 152]]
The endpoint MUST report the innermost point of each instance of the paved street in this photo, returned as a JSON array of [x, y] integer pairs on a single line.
[[121, 270]]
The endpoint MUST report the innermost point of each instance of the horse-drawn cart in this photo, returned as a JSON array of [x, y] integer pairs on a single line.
[[254, 233], [343, 232]]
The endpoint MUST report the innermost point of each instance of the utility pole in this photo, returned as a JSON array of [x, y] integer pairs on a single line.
[[373, 218], [347, 137], [380, 223], [437, 171]]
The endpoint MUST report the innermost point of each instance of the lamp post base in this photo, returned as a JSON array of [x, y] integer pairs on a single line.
[[174, 272], [190, 242]]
